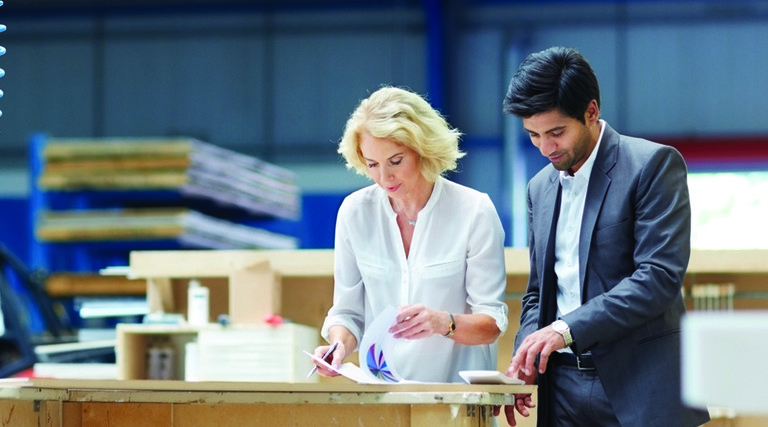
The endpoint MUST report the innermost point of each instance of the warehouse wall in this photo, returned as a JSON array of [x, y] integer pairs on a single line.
[[279, 83]]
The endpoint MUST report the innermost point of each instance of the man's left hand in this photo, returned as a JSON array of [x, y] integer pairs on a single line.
[[542, 342]]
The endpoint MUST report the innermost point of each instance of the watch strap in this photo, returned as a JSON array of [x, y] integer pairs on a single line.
[[564, 330]]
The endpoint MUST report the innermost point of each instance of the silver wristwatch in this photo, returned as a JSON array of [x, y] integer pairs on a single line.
[[562, 328]]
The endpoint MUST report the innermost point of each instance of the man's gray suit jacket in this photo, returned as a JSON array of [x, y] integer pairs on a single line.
[[633, 254]]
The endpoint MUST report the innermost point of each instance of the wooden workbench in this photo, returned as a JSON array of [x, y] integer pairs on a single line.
[[85, 403]]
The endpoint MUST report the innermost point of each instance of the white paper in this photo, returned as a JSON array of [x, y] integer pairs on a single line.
[[377, 349], [376, 342], [350, 371], [488, 377]]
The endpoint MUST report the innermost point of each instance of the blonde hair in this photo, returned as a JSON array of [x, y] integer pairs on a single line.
[[406, 118]]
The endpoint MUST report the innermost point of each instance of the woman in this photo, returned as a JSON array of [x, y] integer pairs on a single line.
[[415, 241]]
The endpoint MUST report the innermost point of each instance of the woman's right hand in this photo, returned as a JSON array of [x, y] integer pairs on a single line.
[[333, 359]]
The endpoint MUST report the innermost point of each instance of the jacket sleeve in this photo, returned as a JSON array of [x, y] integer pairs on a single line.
[[636, 266]]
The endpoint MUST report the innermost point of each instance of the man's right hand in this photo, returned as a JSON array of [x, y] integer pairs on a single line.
[[523, 401]]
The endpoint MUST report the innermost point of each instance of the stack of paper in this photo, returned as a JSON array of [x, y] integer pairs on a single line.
[[192, 167], [189, 227]]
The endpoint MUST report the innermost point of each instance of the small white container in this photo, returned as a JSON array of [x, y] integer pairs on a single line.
[[154, 362], [167, 362], [191, 362], [197, 304]]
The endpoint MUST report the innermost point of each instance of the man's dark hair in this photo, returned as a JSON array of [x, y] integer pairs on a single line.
[[557, 77]]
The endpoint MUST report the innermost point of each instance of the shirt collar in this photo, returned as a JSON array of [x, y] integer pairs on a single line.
[[436, 190]]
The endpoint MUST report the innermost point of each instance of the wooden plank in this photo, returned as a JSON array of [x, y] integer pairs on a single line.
[[516, 261], [68, 148], [126, 232], [294, 397], [127, 414], [71, 414], [728, 261], [220, 263], [130, 355], [124, 224], [98, 165], [254, 292], [304, 416], [289, 263], [179, 403], [193, 263], [113, 216], [452, 416], [744, 282], [152, 223], [140, 180], [160, 295], [701, 261], [30, 413], [19, 413], [69, 284], [306, 300], [65, 389]]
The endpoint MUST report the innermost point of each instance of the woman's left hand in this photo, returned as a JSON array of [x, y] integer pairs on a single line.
[[417, 321]]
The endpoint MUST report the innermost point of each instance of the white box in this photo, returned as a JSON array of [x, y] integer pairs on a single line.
[[260, 353], [724, 356]]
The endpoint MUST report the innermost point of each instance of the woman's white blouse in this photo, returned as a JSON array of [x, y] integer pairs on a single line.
[[456, 264]]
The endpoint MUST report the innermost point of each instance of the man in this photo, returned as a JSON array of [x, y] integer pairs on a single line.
[[609, 241]]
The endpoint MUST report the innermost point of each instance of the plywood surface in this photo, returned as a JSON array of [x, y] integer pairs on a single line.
[[247, 392]]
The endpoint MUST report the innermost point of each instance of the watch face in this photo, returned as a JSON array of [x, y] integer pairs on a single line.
[[451, 329], [559, 326]]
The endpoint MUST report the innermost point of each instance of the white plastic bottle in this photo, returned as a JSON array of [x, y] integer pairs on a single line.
[[191, 358], [167, 361], [153, 360], [197, 304]]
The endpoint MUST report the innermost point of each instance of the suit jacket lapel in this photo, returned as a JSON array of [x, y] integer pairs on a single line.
[[548, 284], [599, 182]]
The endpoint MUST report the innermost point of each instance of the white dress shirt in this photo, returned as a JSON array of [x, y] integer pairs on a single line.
[[456, 264], [574, 194]]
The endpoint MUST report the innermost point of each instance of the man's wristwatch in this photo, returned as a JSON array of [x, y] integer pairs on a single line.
[[451, 327], [562, 328]]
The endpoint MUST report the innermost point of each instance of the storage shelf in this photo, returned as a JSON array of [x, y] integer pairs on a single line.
[[281, 346]]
